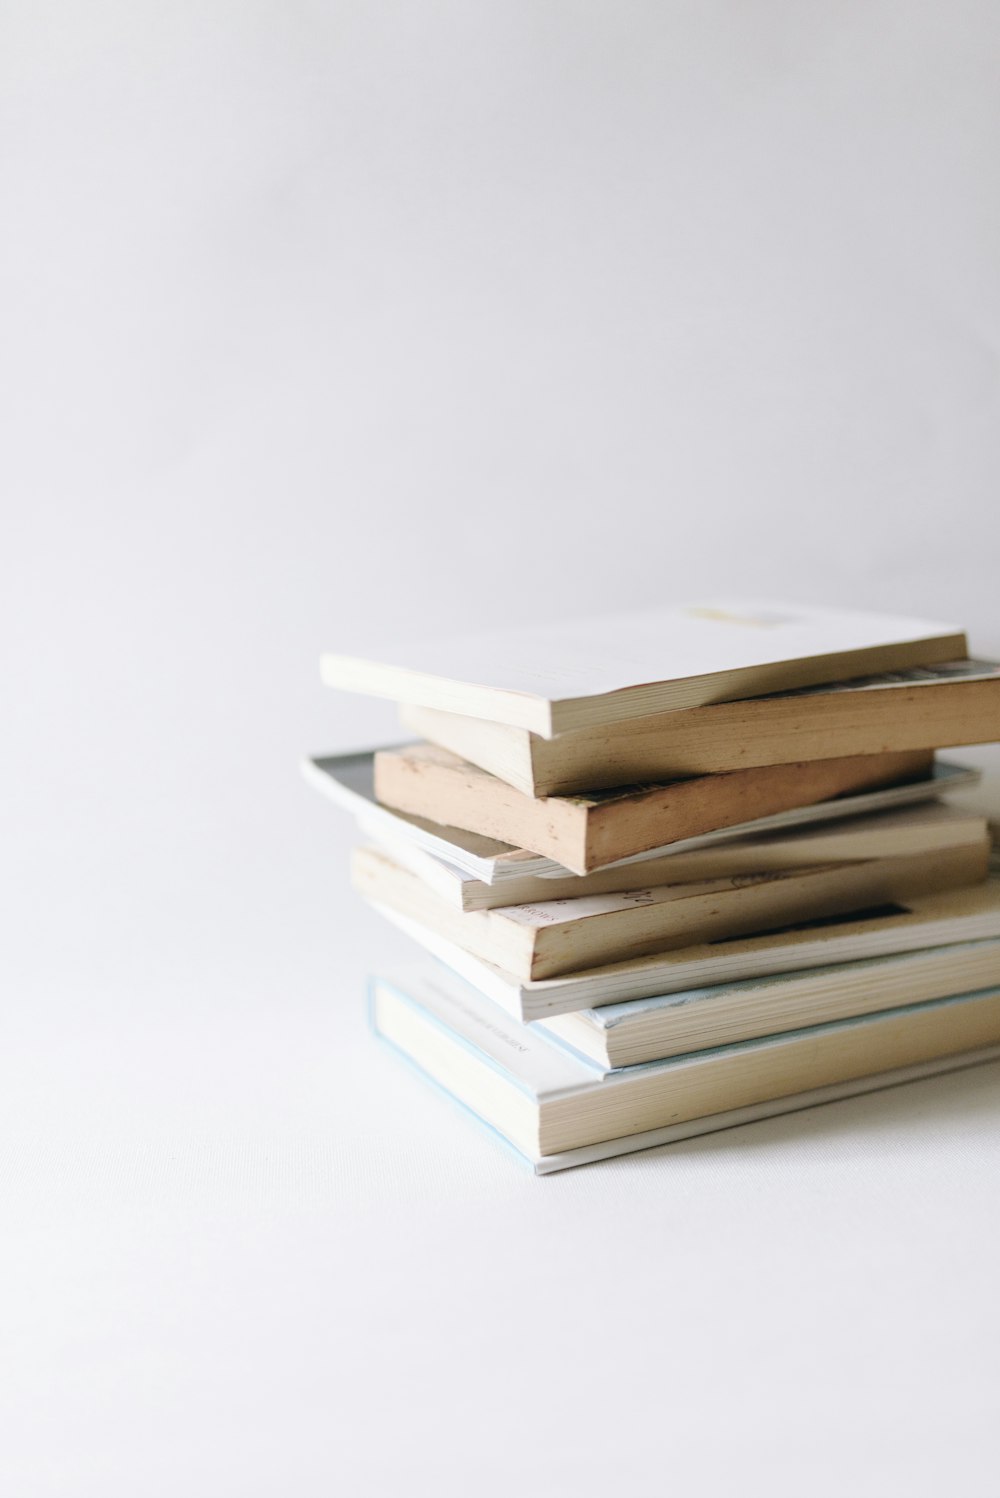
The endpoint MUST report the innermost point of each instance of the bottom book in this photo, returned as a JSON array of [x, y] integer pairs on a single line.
[[558, 1109]]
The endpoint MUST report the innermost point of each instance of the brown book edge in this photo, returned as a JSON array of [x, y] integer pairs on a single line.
[[711, 802], [585, 833], [788, 899], [722, 736]]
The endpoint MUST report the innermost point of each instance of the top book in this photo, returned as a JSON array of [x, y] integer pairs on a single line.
[[552, 678]]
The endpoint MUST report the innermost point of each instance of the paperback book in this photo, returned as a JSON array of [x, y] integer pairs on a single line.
[[927, 831], [348, 780], [556, 1109], [554, 678], [701, 1018], [929, 707], [937, 920], [542, 940], [586, 832]]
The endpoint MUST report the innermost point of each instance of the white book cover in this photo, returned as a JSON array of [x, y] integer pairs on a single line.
[[554, 677], [523, 1059], [349, 781]]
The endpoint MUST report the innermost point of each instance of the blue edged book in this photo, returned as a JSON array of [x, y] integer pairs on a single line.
[[559, 1108]]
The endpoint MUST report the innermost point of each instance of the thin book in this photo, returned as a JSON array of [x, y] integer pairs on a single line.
[[936, 920], [928, 707], [348, 781], [586, 832], [544, 940], [699, 1019], [550, 1105], [555, 678]]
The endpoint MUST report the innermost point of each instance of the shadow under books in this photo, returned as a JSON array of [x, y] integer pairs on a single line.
[[953, 1101]]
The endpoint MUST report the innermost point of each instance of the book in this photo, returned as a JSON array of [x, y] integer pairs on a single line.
[[548, 1104], [585, 832], [928, 707], [544, 940], [558, 677], [929, 829], [348, 780], [963, 915], [701, 1018]]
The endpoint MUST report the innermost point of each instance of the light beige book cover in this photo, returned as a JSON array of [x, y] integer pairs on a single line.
[[554, 677]]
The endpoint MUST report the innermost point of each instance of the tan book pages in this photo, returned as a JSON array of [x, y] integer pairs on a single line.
[[550, 1105], [912, 830], [586, 832], [794, 1063], [673, 1025], [564, 936], [964, 915], [920, 711]]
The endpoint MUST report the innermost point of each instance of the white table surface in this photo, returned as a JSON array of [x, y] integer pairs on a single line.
[[246, 1251]]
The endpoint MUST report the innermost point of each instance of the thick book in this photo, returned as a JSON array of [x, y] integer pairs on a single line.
[[928, 707], [556, 1109], [544, 940], [963, 915], [702, 1018], [557, 677], [585, 832], [914, 831], [348, 780]]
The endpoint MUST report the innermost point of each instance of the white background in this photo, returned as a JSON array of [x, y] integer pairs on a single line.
[[328, 321]]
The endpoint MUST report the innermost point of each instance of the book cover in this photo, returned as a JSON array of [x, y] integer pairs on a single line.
[[556, 677]]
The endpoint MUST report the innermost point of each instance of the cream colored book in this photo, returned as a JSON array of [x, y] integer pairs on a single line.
[[701, 1018], [547, 1103], [348, 780], [923, 921], [557, 677], [928, 707], [585, 832], [565, 936], [926, 830]]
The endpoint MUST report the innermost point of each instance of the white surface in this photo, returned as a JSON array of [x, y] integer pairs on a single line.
[[332, 314]]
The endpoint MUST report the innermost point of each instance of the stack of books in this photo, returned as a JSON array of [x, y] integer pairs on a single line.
[[679, 870]]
